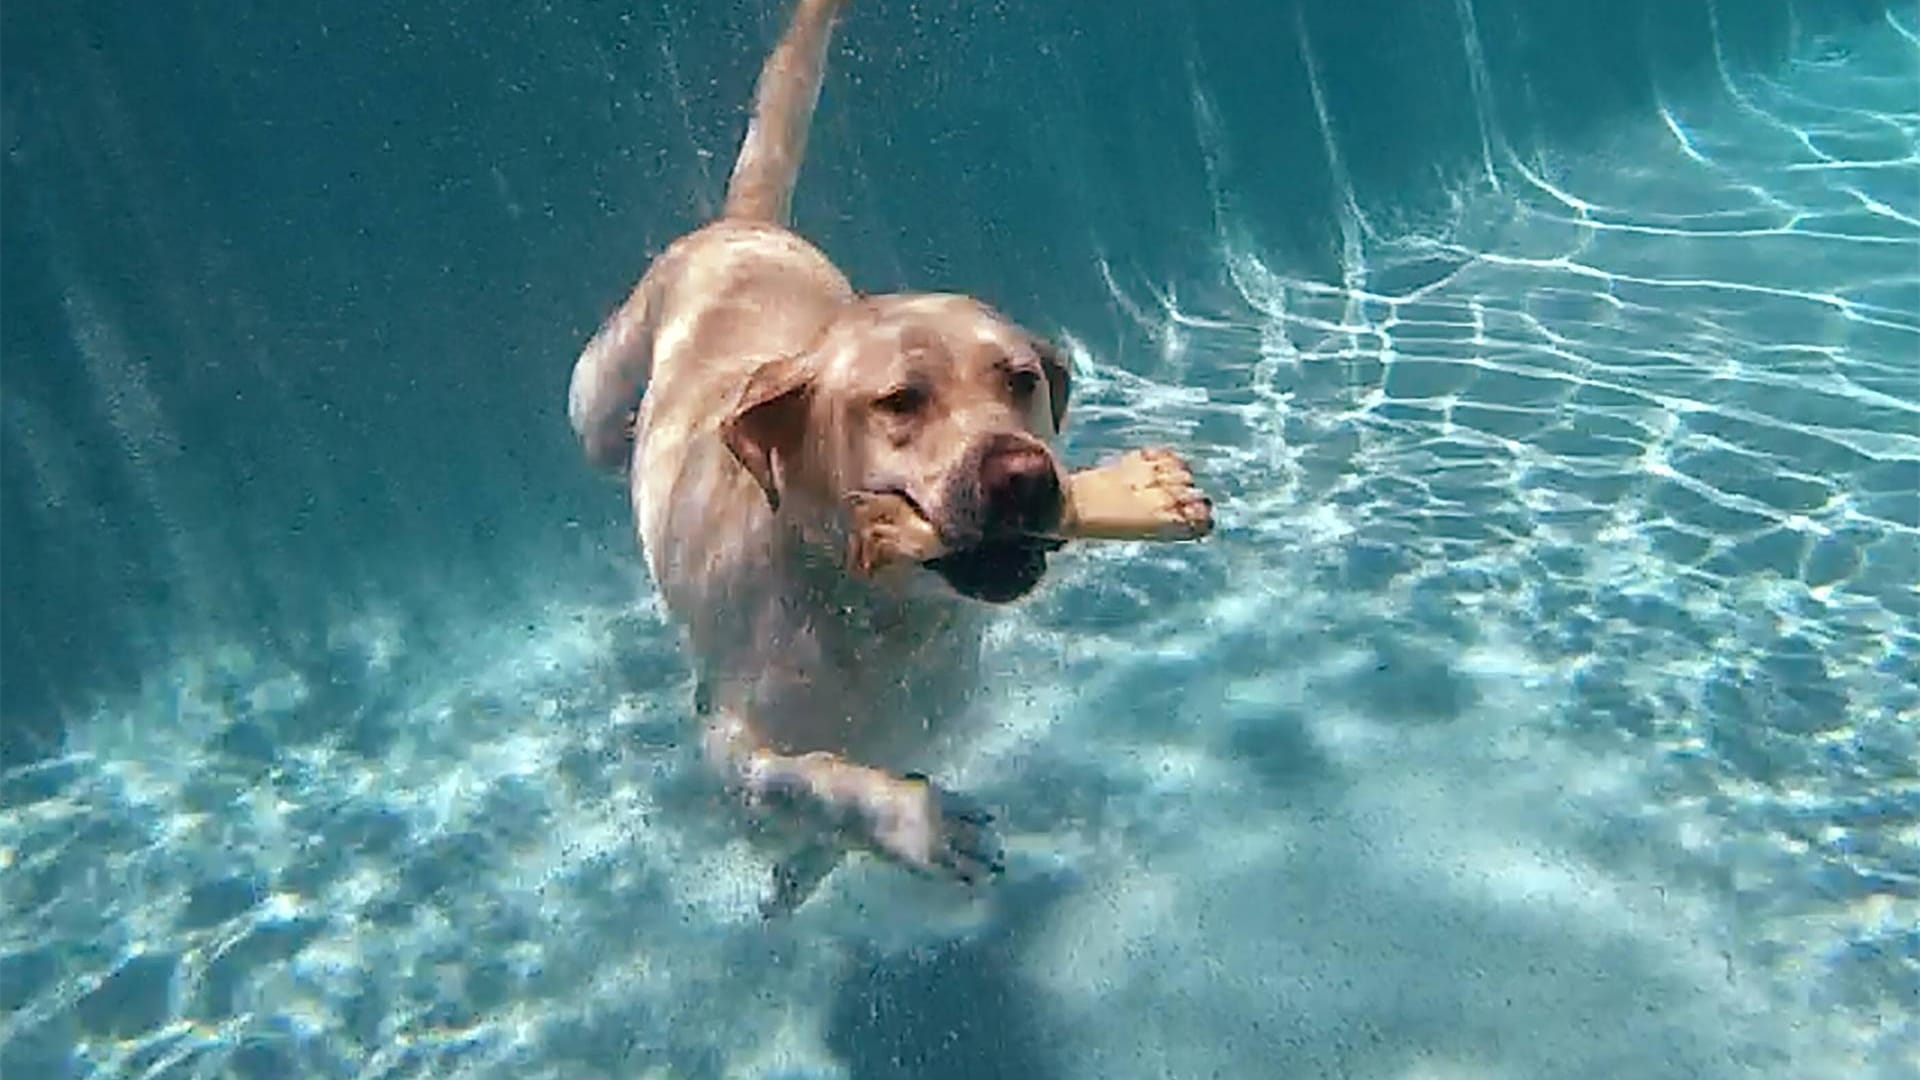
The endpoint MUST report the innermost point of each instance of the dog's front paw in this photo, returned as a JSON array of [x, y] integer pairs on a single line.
[[935, 832], [1142, 495]]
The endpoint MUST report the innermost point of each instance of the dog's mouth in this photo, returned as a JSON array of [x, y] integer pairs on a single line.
[[998, 570], [890, 526]]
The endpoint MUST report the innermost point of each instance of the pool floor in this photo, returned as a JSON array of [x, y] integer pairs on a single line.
[[1547, 705]]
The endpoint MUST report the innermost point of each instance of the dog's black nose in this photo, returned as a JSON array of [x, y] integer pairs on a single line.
[[1019, 487]]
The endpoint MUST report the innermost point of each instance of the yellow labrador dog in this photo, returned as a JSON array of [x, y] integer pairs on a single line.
[[831, 489]]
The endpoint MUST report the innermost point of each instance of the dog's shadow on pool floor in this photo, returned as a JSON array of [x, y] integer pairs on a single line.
[[959, 1009], [1432, 908]]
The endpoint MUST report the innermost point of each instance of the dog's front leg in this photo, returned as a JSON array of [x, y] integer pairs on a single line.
[[905, 818]]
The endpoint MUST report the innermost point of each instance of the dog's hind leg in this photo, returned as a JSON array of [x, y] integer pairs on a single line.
[[761, 188], [610, 376], [797, 875]]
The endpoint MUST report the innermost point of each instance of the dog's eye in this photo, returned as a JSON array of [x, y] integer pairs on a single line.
[[903, 401], [1023, 381]]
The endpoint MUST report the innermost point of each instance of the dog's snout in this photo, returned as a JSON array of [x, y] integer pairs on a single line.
[[1019, 487]]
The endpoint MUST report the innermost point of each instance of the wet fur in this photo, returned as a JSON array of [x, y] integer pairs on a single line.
[[761, 379]]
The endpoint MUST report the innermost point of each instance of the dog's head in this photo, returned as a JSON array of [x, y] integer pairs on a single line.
[[936, 398]]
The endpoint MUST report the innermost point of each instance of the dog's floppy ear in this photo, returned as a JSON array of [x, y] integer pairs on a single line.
[[769, 420], [1059, 379]]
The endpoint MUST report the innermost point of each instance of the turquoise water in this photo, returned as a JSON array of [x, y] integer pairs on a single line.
[[1547, 705]]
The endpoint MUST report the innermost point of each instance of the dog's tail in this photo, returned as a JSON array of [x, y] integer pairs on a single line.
[[762, 185], [614, 368]]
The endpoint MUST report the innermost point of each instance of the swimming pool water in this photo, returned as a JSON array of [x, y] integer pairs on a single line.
[[1548, 704]]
